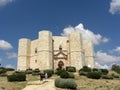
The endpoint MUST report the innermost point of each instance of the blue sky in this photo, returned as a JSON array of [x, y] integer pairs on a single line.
[[97, 20]]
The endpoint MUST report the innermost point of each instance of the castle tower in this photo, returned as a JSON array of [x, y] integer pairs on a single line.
[[76, 54], [45, 50], [24, 54], [89, 53]]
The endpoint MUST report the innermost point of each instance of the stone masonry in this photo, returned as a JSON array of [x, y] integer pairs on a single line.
[[48, 51]]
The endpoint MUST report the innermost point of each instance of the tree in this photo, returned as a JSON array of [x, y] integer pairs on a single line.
[[116, 68]]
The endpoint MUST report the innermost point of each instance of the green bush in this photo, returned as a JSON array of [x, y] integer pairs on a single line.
[[16, 77], [9, 69], [107, 77], [95, 69], [85, 69], [3, 71], [58, 72], [104, 71], [70, 69], [94, 75], [115, 76], [3, 74], [82, 73], [36, 72], [49, 72], [65, 83], [28, 71], [71, 75], [64, 74]]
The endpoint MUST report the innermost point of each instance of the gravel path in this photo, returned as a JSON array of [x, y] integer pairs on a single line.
[[41, 85]]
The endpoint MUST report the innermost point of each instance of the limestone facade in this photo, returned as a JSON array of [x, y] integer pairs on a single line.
[[48, 51]]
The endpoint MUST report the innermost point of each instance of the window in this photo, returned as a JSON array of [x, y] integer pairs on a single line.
[[35, 50], [35, 61]]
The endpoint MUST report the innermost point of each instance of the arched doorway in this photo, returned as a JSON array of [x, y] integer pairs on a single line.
[[60, 64]]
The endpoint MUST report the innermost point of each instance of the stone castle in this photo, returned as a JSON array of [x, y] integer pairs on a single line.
[[48, 51]]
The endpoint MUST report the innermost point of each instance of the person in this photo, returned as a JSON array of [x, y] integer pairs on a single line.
[[46, 76], [41, 76]]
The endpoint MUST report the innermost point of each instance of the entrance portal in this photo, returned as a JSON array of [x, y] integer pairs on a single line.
[[60, 64]]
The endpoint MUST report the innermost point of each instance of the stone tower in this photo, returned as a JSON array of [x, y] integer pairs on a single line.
[[48, 51], [24, 54], [76, 51]]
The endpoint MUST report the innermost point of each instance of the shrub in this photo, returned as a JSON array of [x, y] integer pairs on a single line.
[[28, 71], [115, 76], [107, 77], [49, 72], [104, 71], [71, 75], [95, 69], [65, 83], [58, 72], [36, 72], [3, 71], [94, 75], [70, 69], [85, 69], [64, 74], [82, 73], [3, 74], [9, 69], [16, 77]]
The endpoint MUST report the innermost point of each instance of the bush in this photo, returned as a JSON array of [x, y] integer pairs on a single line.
[[9, 69], [28, 71], [64, 74], [49, 72], [104, 71], [95, 69], [65, 83], [70, 69], [82, 73], [58, 72], [85, 69], [16, 77], [94, 75], [71, 75], [115, 76], [107, 77], [3, 71], [3, 74], [36, 72]]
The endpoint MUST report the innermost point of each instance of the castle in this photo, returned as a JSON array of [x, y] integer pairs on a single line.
[[48, 51]]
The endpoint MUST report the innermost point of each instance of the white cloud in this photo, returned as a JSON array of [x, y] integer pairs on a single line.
[[9, 66], [103, 57], [11, 55], [105, 66], [5, 2], [4, 45], [117, 49], [86, 34], [114, 6]]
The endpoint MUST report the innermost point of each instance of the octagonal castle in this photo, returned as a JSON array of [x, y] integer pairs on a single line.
[[48, 51]]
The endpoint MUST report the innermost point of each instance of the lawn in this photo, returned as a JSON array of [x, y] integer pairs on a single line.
[[5, 85], [85, 83]]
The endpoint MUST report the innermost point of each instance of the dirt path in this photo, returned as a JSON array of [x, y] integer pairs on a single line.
[[41, 85]]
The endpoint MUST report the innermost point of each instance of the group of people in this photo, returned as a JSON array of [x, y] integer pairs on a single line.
[[43, 75]]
